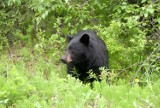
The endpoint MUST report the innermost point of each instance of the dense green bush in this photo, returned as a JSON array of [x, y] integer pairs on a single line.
[[32, 39]]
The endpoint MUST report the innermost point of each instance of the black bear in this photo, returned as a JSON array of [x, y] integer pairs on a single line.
[[85, 51]]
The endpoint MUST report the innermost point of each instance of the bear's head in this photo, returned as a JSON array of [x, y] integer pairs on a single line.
[[76, 49]]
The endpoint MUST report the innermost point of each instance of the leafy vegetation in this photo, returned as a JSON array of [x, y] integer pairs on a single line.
[[32, 39], [33, 82]]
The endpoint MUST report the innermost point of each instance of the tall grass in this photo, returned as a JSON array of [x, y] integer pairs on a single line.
[[31, 81]]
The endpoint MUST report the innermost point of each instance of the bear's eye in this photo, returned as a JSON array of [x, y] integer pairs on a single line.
[[71, 50]]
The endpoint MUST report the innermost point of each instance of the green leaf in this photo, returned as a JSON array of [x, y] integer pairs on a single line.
[[158, 20], [143, 1], [66, 1], [151, 10], [146, 15]]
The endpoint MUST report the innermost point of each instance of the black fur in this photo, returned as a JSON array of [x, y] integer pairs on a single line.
[[87, 52]]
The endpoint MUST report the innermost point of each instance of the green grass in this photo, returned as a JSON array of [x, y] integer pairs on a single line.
[[31, 81]]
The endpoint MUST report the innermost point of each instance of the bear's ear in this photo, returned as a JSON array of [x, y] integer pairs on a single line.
[[69, 38], [85, 39]]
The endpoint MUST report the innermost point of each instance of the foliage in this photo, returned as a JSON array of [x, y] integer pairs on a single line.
[[24, 83], [139, 27], [32, 39]]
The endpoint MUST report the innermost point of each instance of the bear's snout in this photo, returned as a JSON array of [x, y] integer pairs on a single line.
[[63, 59], [66, 58]]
